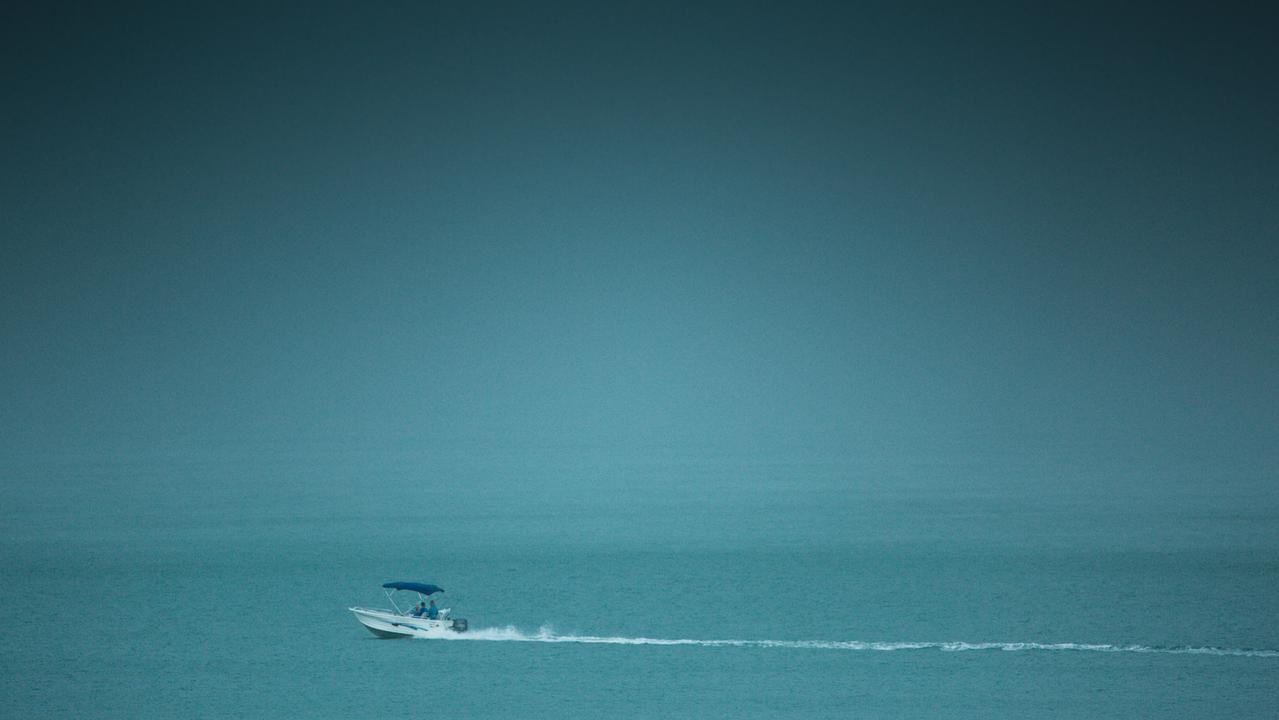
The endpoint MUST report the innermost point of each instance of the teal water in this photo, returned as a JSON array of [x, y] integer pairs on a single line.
[[678, 585]]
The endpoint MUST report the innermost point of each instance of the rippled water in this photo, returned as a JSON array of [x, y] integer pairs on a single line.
[[676, 587]]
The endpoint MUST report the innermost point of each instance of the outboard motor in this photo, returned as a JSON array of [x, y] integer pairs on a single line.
[[459, 625]]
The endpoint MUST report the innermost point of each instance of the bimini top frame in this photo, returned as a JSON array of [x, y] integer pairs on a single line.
[[422, 589]]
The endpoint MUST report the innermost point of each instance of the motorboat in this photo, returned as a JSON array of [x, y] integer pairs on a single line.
[[388, 623]]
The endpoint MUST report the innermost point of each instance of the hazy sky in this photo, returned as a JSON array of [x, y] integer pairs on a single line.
[[730, 226]]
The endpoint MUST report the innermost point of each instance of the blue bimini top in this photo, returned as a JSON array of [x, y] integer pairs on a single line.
[[424, 588]]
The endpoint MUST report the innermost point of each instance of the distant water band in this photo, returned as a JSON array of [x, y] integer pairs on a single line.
[[546, 635]]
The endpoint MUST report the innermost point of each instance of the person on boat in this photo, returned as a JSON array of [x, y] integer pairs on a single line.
[[417, 611], [433, 612]]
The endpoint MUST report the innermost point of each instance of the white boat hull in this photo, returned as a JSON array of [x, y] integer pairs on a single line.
[[388, 624]]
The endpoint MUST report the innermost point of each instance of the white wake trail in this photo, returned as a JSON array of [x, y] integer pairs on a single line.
[[546, 635]]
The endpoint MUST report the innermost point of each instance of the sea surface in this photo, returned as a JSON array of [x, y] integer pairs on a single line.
[[676, 583]]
